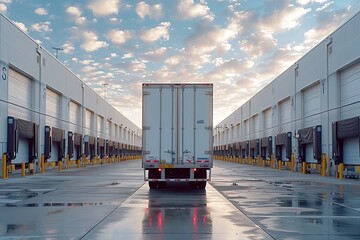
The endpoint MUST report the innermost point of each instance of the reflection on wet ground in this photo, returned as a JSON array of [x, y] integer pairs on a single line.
[[292, 205], [241, 202], [177, 213]]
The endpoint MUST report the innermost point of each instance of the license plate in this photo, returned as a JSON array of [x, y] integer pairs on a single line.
[[166, 165]]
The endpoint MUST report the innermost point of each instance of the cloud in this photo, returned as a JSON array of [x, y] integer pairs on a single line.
[[154, 34], [304, 2], [76, 15], [128, 55], [258, 43], [324, 6], [187, 9], [68, 48], [3, 8], [21, 26], [133, 66], [283, 18], [155, 55], [104, 8], [154, 11], [41, 11], [91, 42], [41, 27], [119, 37]]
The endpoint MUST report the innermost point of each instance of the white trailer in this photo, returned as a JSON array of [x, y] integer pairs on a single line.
[[177, 135]]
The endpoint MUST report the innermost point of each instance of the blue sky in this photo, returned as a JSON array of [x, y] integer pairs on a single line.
[[240, 46]]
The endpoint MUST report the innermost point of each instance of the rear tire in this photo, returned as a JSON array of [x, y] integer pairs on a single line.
[[201, 185], [153, 185]]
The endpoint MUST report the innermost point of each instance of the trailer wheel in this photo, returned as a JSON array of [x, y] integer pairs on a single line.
[[201, 185], [153, 185]]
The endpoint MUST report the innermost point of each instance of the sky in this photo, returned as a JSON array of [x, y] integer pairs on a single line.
[[238, 45]]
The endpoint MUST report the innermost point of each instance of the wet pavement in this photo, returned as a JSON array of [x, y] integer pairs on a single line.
[[242, 202]]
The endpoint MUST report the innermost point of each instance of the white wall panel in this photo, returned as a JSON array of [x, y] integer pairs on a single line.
[[89, 122]]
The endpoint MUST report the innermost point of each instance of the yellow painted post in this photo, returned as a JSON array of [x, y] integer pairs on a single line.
[[78, 163], [303, 167], [23, 169], [67, 161], [272, 161], [341, 171], [84, 160], [60, 165], [42, 163], [279, 165], [292, 163], [323, 165], [263, 163], [4, 167]]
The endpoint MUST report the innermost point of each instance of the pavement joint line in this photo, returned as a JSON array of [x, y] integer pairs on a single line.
[[117, 207], [243, 212]]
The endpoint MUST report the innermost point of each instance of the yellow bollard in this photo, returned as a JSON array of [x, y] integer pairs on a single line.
[[272, 161], [303, 167], [60, 165], [263, 163], [67, 162], [23, 169], [42, 164], [341, 171], [78, 163], [323, 165], [84, 160], [279, 165], [4, 167]]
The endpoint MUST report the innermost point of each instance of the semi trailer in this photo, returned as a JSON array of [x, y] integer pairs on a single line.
[[177, 136]]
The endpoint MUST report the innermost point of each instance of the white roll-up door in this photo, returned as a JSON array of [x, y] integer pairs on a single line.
[[20, 96], [350, 107], [75, 117], [267, 122], [89, 122], [349, 92], [108, 128], [311, 106], [53, 109], [100, 124], [246, 129], [285, 115], [255, 126]]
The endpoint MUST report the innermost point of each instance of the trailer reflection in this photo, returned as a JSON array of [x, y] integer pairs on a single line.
[[187, 213]]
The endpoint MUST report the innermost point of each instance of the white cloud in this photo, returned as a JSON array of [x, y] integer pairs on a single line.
[[41, 11], [143, 10], [258, 43], [324, 6], [285, 18], [133, 66], [113, 55], [68, 48], [128, 55], [91, 42], [41, 27], [304, 2], [3, 8], [21, 26], [76, 14], [187, 9], [104, 7], [119, 36], [154, 34], [156, 54]]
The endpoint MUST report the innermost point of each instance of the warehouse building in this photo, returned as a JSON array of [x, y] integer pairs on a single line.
[[48, 112], [308, 114]]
